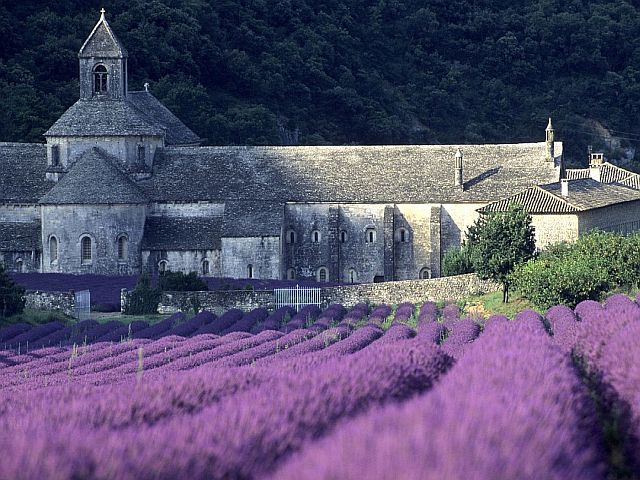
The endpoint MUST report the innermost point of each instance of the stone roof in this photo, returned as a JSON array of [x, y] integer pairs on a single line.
[[584, 194], [102, 42], [20, 237], [177, 133], [577, 173], [23, 172], [184, 233], [380, 174], [104, 117], [609, 173], [95, 179], [252, 219]]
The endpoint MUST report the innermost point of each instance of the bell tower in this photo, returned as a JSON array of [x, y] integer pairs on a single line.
[[103, 64]]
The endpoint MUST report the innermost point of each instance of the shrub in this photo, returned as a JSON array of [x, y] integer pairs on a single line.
[[143, 300], [180, 282], [11, 295], [457, 262]]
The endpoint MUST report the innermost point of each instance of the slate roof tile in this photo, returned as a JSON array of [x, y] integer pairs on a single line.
[[20, 237], [184, 233], [95, 179], [23, 169], [252, 219]]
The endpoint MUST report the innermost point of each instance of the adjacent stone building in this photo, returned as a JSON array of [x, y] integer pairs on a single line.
[[122, 186]]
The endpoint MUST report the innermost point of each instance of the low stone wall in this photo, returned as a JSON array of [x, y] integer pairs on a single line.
[[416, 291], [53, 301], [215, 301]]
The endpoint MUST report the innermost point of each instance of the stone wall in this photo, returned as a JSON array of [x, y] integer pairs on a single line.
[[415, 291], [52, 301], [261, 255], [217, 302], [622, 218]]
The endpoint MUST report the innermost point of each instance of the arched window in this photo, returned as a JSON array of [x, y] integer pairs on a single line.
[[425, 273], [86, 253], [352, 276], [163, 266], [343, 237], [315, 236], [402, 235], [291, 274], [205, 267], [291, 236], [122, 248], [100, 79], [53, 250], [55, 155], [249, 271], [323, 274], [370, 235], [19, 265]]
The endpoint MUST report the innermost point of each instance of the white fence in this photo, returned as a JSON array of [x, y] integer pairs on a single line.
[[297, 297], [82, 308]]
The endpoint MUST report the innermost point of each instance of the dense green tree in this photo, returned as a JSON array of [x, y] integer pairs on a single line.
[[344, 72], [11, 295], [499, 241]]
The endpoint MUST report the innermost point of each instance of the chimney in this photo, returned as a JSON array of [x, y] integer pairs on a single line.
[[564, 187], [595, 162], [458, 170], [550, 138]]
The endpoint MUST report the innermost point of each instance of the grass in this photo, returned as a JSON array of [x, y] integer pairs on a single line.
[[104, 317], [491, 304], [36, 317]]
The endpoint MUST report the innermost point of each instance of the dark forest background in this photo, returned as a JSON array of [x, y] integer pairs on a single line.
[[345, 71]]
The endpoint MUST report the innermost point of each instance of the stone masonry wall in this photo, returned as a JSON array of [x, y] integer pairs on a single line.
[[416, 291], [53, 301]]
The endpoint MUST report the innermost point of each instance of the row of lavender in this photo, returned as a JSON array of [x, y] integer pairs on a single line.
[[335, 402], [24, 337]]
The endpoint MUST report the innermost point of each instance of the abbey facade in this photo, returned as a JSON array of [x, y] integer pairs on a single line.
[[122, 186]]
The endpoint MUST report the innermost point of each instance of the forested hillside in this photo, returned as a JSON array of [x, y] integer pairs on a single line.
[[343, 71]]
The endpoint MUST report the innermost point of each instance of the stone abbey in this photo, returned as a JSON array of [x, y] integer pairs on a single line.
[[122, 186]]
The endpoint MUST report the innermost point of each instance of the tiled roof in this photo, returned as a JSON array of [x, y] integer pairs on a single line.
[[584, 194], [102, 42], [103, 117], [22, 172], [632, 181], [177, 133], [95, 179], [19, 237], [609, 173], [252, 219], [407, 173], [577, 173], [185, 233]]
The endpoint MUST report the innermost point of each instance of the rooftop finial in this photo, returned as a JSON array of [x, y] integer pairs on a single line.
[[102, 12], [549, 126], [146, 86]]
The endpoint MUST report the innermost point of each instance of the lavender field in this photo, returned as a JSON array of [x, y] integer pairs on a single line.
[[410, 392]]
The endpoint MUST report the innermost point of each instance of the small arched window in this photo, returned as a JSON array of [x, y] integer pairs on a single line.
[[249, 271], [315, 236], [352, 276], [291, 274], [163, 266], [370, 235], [425, 273], [19, 265], [323, 274], [343, 237], [205, 267], [291, 236], [55, 155], [402, 235], [122, 248], [100, 79], [86, 253], [53, 250]]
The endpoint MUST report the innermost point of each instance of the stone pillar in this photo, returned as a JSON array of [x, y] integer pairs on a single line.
[[389, 264]]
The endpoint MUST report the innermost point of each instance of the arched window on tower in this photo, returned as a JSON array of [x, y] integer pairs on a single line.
[[122, 248], [322, 274], [370, 235], [53, 250], [352, 276], [55, 155], [425, 273], [343, 236], [86, 253], [100, 79], [249, 271], [315, 236], [402, 235], [290, 237], [205, 267], [19, 266], [163, 266]]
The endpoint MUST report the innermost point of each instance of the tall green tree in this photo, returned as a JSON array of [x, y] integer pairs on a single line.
[[11, 295], [499, 241]]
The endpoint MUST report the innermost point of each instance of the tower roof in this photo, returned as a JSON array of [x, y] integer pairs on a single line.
[[94, 179], [102, 42], [549, 126]]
